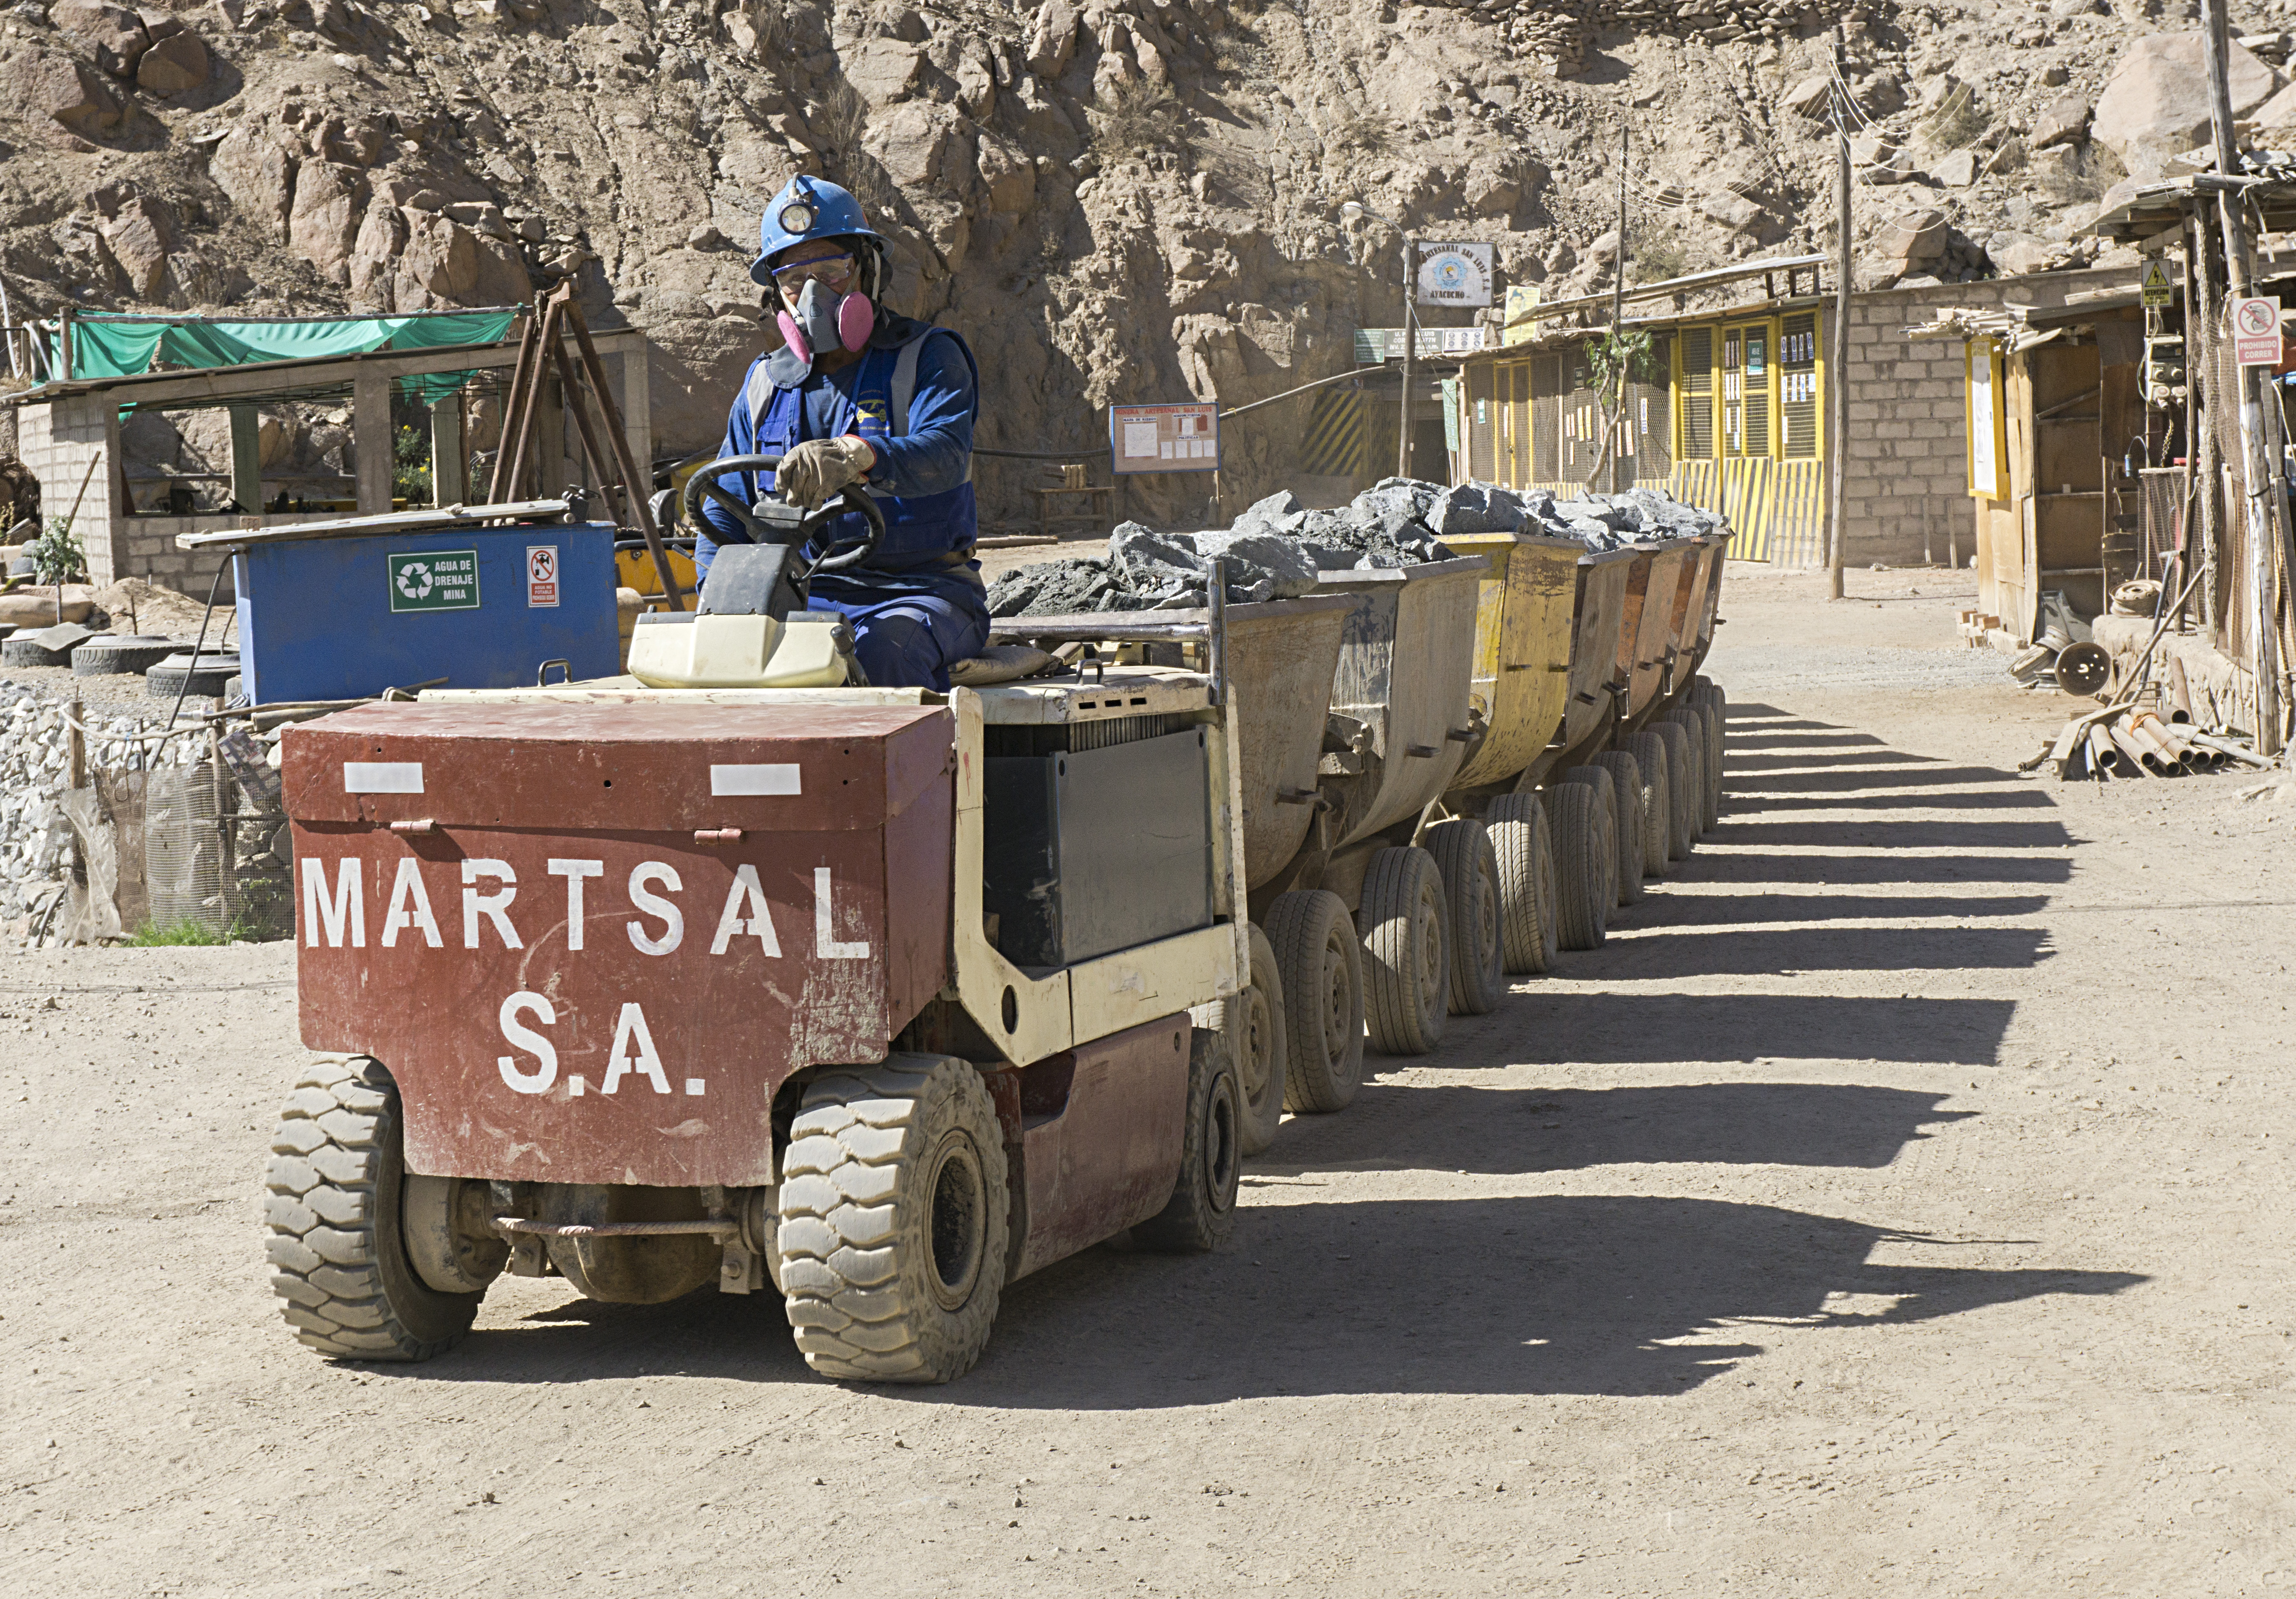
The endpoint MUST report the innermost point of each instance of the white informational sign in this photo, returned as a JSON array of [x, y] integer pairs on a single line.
[[542, 577], [1457, 275], [1984, 424], [1165, 437], [2256, 330]]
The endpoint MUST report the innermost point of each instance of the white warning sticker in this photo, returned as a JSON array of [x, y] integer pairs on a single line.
[[383, 777], [754, 780], [541, 577]]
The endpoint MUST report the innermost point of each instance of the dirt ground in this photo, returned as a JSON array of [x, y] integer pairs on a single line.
[[1898, 1204]]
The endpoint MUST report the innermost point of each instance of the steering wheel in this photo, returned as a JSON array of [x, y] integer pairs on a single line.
[[774, 522]]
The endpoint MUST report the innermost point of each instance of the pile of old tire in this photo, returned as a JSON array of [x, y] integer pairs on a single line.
[[111, 653], [205, 674]]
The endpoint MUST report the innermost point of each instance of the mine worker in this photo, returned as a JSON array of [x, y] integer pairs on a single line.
[[858, 397]]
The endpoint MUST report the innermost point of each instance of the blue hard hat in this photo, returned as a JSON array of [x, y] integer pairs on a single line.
[[807, 208]]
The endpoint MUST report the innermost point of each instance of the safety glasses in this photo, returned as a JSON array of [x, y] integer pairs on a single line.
[[832, 270]]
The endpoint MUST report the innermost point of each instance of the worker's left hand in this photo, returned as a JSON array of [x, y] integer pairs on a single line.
[[814, 470]]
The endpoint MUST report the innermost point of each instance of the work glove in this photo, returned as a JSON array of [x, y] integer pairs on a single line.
[[817, 469]]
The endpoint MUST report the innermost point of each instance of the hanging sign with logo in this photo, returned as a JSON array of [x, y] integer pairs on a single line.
[[2256, 330], [1457, 275]]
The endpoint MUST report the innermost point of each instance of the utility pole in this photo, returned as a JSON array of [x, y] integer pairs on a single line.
[[1410, 338], [2262, 482], [1837, 354], [1619, 319]]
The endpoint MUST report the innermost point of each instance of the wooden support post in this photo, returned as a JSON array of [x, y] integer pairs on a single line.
[[1837, 352], [2263, 485], [247, 458], [371, 434], [449, 466]]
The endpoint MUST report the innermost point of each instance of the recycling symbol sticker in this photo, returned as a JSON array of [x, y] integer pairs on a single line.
[[434, 580]]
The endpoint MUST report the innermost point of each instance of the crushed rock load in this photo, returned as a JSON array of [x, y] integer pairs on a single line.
[[1275, 550]]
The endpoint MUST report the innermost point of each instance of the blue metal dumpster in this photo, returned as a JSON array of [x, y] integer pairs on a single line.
[[344, 619]]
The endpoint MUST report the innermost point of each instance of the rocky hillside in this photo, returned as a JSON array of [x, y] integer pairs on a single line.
[[1116, 200]]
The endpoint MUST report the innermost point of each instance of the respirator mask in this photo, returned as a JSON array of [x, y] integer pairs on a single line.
[[826, 320]]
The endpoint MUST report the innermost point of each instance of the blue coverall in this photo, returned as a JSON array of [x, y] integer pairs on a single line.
[[918, 605]]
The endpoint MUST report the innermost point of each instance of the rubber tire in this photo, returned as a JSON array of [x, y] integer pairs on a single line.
[[107, 656], [207, 682], [1470, 870], [1405, 921], [1202, 1212], [1584, 859], [1322, 966], [1683, 779], [331, 1202], [1711, 695], [1256, 1047], [24, 653], [1710, 713], [1627, 821], [1694, 733], [1524, 848], [858, 1220], [1649, 751]]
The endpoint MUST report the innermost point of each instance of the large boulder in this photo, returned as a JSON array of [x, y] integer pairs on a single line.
[[1052, 38], [115, 33], [66, 90], [254, 166], [884, 70], [141, 234], [323, 224], [2156, 105], [175, 65]]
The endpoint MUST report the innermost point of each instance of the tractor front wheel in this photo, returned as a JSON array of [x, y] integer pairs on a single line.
[[895, 1218]]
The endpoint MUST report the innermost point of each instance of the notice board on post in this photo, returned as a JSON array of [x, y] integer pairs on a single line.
[[1144, 438]]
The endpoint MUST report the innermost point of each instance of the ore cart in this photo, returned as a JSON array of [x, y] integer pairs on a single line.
[[1353, 714]]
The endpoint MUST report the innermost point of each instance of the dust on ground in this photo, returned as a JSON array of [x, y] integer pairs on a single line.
[[1897, 1203]]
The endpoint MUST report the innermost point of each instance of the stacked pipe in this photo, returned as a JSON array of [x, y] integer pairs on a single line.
[[2121, 741]]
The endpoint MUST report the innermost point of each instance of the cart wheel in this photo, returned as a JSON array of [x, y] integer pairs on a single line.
[[1583, 864], [1322, 967], [894, 1221], [1201, 1213], [1693, 724], [1253, 1022], [1712, 696], [1649, 751], [1407, 969], [334, 1195], [1684, 780], [1710, 794], [1525, 851], [1627, 795], [1470, 869]]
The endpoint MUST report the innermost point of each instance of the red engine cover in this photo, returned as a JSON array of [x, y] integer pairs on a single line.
[[567, 984]]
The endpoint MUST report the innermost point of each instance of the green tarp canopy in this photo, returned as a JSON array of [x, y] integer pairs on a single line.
[[119, 347]]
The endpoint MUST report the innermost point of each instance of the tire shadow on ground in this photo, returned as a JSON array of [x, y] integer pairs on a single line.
[[1520, 1131]]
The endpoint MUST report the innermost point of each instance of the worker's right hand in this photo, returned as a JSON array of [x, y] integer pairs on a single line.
[[814, 470]]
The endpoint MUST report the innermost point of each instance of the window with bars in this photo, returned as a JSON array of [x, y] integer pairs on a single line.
[[1479, 418], [1546, 432], [1755, 426], [1697, 433], [1655, 419], [1797, 385]]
